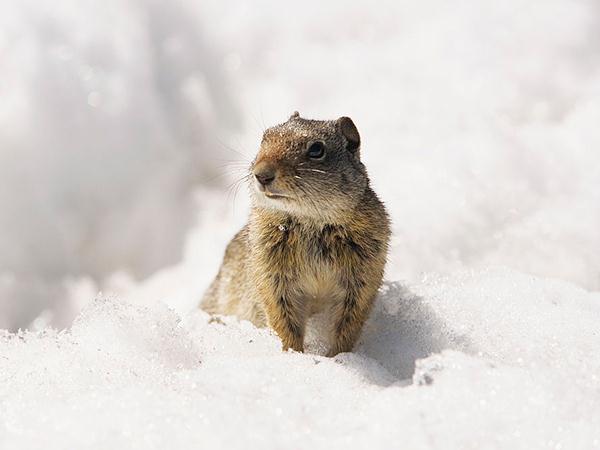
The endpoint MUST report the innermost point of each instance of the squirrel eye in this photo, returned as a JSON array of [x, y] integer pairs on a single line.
[[316, 150]]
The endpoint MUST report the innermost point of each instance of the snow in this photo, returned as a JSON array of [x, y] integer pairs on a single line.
[[491, 359], [123, 122]]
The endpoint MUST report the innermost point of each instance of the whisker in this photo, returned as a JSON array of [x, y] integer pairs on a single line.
[[229, 168], [235, 193], [219, 176], [307, 195], [314, 170], [232, 162], [226, 171], [234, 187], [244, 156]]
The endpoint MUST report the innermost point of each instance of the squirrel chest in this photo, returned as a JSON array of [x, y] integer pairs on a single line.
[[314, 262]]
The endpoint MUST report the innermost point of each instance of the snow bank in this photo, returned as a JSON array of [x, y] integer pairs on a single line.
[[109, 114], [500, 360]]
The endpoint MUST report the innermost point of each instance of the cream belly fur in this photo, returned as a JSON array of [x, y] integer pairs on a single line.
[[323, 295], [321, 289]]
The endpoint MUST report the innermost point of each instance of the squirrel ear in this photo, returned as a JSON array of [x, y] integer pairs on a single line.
[[295, 115], [350, 132]]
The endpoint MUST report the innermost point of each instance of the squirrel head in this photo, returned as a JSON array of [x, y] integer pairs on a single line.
[[309, 168]]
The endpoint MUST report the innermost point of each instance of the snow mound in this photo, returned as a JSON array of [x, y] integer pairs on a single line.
[[109, 118], [478, 121], [492, 359]]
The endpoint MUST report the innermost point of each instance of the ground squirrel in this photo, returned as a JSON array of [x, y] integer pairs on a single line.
[[316, 239]]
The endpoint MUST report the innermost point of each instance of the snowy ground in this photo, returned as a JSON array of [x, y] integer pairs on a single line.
[[492, 359], [118, 122]]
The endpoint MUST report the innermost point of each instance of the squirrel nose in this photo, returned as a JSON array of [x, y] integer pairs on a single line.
[[264, 173]]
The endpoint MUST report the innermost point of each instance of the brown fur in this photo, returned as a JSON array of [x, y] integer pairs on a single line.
[[316, 239]]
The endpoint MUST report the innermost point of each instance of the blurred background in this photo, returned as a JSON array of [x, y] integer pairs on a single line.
[[125, 126]]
